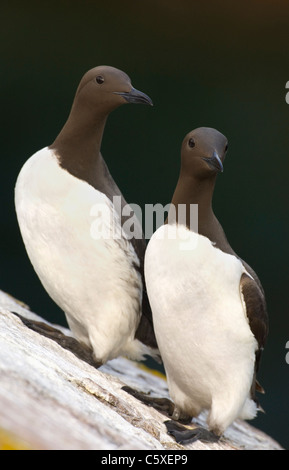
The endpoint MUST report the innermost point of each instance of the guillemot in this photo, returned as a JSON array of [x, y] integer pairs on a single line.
[[209, 308], [97, 280]]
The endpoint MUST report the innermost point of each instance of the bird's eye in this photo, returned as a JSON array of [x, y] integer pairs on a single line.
[[226, 148], [99, 79], [191, 143]]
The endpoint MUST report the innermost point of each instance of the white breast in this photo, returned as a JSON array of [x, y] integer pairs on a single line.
[[200, 323], [92, 278]]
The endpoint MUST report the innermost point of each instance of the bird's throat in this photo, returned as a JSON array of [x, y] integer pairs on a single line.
[[191, 195], [78, 145]]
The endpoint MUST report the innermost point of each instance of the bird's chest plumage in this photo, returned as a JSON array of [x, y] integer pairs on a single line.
[[199, 318], [74, 240]]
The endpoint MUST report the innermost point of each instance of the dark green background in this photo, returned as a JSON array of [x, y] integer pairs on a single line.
[[218, 64]]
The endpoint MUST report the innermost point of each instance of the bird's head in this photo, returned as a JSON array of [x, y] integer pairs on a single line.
[[203, 152], [105, 88]]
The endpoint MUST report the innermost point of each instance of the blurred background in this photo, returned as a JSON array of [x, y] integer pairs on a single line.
[[220, 64]]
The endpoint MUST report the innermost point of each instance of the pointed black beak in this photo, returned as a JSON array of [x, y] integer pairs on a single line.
[[214, 162], [135, 96]]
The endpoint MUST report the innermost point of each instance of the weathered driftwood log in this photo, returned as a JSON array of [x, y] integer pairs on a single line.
[[52, 398]]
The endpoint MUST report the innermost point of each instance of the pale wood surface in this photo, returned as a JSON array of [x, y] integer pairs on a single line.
[[50, 399]]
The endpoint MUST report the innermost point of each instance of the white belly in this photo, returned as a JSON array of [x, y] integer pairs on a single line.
[[92, 279], [201, 327]]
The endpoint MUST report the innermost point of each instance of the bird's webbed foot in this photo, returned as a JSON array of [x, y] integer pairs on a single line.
[[80, 350], [185, 435], [161, 404]]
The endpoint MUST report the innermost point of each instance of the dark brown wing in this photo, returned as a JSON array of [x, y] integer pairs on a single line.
[[256, 311], [145, 331]]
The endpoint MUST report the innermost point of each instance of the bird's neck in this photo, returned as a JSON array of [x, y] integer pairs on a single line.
[[79, 142], [190, 191]]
